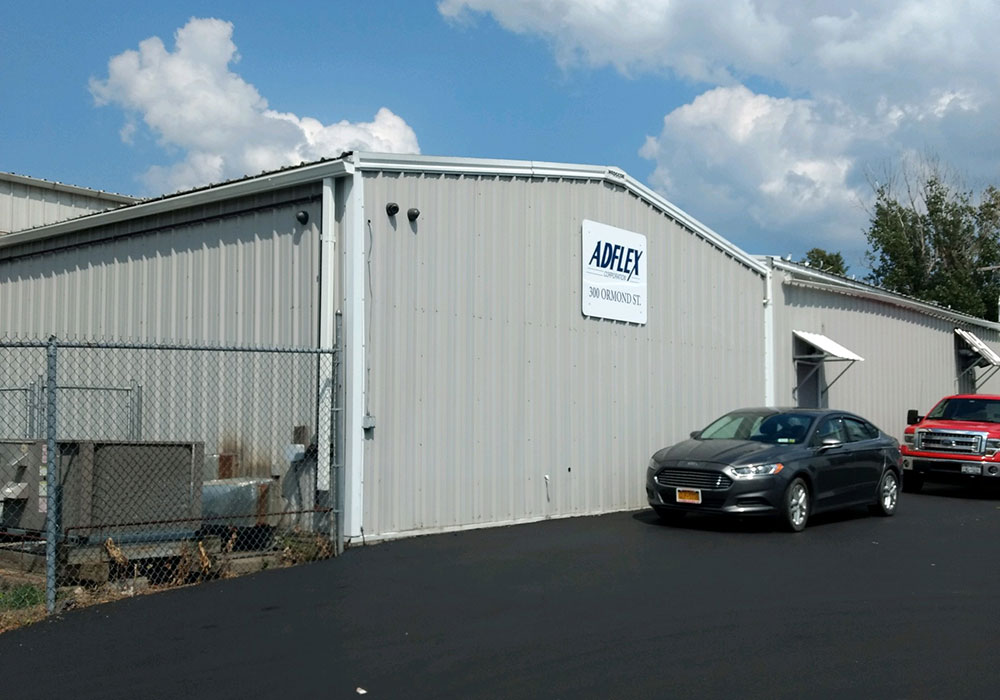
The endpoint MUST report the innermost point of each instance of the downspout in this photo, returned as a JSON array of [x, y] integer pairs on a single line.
[[327, 341], [769, 358], [353, 308]]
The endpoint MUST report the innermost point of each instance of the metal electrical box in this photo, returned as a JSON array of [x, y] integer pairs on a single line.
[[106, 488]]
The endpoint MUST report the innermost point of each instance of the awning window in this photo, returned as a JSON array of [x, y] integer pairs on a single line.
[[823, 349], [984, 355]]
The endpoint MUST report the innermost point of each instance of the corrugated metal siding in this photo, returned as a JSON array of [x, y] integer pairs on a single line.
[[242, 278], [244, 274], [23, 206], [242, 403], [484, 377], [910, 359]]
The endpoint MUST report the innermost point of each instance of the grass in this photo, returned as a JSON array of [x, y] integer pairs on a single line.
[[20, 605], [21, 597]]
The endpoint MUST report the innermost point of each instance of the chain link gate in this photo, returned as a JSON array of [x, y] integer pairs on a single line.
[[130, 467]]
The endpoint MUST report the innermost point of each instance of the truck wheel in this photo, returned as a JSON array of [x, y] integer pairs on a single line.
[[887, 495], [912, 482], [795, 506]]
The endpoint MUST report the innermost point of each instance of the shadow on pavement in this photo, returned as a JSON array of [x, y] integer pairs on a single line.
[[706, 522], [964, 491]]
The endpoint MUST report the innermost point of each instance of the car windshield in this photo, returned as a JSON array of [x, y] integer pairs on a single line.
[[761, 426], [972, 409]]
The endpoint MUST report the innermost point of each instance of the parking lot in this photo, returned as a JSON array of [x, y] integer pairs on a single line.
[[617, 606]]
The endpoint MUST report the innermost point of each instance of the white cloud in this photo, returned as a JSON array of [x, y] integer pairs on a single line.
[[191, 100], [686, 37], [909, 51], [758, 162], [869, 81]]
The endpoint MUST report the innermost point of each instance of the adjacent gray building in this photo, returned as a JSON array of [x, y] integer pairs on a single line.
[[27, 202], [842, 343]]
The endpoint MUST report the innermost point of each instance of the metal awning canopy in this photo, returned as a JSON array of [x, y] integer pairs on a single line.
[[828, 348], [825, 350], [987, 356]]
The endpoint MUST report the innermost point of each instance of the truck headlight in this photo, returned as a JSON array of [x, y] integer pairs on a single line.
[[753, 471], [992, 445]]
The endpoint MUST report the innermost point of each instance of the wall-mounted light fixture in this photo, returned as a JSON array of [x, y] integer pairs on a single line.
[[391, 208], [412, 213], [302, 217]]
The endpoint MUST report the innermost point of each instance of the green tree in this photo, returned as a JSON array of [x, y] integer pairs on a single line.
[[825, 261], [937, 243]]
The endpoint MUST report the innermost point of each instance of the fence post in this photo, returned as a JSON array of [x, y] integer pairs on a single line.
[[51, 475]]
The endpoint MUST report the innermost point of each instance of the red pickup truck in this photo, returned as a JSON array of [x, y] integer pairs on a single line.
[[959, 440]]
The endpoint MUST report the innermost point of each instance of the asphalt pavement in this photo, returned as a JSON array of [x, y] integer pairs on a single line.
[[616, 606]]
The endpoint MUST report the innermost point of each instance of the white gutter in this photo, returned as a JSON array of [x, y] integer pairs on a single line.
[[353, 309]]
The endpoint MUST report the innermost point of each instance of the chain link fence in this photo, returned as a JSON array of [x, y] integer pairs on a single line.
[[129, 468]]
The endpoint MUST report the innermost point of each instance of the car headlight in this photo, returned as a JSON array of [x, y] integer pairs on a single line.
[[753, 471], [908, 439], [652, 466]]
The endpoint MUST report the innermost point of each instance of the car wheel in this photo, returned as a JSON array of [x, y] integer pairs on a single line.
[[912, 483], [795, 508], [888, 494], [669, 515]]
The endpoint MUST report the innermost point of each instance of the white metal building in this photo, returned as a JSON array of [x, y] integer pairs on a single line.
[[518, 337], [27, 202]]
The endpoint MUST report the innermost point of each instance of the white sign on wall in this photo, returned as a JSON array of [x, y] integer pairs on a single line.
[[614, 273]]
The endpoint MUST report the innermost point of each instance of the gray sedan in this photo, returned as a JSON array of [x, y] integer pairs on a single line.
[[788, 463]]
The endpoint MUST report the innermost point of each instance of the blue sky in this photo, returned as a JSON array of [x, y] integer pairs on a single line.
[[765, 119]]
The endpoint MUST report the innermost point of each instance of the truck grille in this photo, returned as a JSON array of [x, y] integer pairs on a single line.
[[958, 442], [693, 479]]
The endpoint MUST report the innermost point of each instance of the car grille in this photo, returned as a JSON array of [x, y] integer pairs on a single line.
[[686, 478], [941, 441]]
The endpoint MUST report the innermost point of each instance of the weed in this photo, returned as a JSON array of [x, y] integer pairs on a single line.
[[21, 597]]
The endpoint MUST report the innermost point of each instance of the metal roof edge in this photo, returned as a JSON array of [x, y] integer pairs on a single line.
[[69, 189], [531, 168], [834, 283], [476, 166], [699, 228], [208, 195], [363, 160]]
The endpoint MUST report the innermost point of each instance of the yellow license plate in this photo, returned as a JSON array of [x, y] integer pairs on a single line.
[[689, 495]]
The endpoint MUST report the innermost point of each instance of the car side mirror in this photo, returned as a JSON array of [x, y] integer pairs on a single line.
[[912, 417], [829, 442], [695, 434]]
